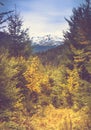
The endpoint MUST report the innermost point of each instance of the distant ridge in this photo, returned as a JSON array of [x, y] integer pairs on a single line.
[[42, 44]]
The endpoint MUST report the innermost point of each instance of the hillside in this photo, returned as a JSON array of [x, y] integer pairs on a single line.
[[42, 44], [55, 56], [41, 48], [45, 83]]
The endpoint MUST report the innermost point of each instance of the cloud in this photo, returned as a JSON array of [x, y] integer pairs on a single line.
[[40, 25], [44, 16]]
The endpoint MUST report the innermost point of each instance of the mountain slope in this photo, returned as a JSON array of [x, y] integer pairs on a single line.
[[40, 48], [56, 56], [42, 44]]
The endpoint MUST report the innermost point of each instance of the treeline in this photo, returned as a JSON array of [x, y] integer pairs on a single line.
[[58, 80]]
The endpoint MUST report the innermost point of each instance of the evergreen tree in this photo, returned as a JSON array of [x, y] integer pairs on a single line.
[[79, 40], [10, 96], [3, 16], [20, 42], [79, 37]]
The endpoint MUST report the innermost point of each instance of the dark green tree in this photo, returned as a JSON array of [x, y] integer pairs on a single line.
[[80, 26], [79, 37], [20, 41], [3, 16]]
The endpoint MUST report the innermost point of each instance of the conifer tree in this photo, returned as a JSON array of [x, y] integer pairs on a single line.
[[10, 95], [20, 41], [3, 16], [79, 37]]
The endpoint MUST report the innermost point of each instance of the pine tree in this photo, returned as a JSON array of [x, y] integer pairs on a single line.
[[10, 95], [3, 16], [79, 37], [21, 45]]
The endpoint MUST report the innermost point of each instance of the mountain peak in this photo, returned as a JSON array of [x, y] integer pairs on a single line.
[[47, 40]]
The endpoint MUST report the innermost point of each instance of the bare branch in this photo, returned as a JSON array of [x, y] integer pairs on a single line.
[[4, 13]]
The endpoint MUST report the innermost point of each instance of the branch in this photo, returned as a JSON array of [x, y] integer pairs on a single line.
[[4, 13]]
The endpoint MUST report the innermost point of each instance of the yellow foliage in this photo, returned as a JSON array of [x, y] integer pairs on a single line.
[[60, 119], [73, 80], [33, 75], [36, 76]]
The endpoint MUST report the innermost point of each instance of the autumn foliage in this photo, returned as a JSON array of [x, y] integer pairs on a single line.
[[49, 90]]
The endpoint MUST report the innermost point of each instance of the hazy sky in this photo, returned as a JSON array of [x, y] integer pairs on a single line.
[[43, 16]]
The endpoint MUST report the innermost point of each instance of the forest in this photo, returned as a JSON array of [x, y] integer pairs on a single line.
[[50, 90]]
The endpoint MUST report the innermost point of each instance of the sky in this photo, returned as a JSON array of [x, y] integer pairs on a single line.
[[43, 17]]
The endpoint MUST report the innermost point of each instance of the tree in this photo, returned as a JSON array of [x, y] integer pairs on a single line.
[[35, 75], [80, 25], [78, 37], [10, 95], [20, 42], [3, 16], [79, 40]]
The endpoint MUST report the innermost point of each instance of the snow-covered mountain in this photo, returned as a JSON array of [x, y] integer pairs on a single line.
[[42, 44], [47, 40]]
